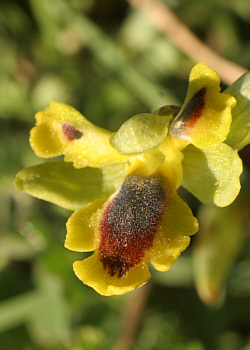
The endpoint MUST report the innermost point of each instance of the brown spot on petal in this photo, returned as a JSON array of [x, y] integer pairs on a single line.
[[71, 132], [193, 109], [190, 114], [130, 221]]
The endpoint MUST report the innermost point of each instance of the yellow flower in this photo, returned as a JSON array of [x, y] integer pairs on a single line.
[[123, 185]]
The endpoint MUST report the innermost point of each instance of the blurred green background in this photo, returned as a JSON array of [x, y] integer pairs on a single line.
[[108, 61]]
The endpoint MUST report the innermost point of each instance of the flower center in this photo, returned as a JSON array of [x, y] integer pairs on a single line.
[[130, 221]]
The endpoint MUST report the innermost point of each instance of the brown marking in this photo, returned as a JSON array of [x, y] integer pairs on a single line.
[[193, 109], [130, 221], [71, 132]]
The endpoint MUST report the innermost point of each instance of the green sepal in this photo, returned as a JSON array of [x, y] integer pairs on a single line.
[[219, 241], [60, 183], [238, 136], [140, 134], [212, 175]]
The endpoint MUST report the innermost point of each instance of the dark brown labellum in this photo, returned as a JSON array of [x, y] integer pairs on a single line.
[[130, 221]]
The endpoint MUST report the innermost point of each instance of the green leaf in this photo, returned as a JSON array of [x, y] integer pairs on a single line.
[[238, 136], [70, 188], [17, 310], [219, 241], [14, 247], [140, 134], [49, 321], [45, 310], [212, 175]]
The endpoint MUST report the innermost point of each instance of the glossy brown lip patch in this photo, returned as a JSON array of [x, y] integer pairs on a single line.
[[191, 113], [194, 107], [130, 221], [71, 132]]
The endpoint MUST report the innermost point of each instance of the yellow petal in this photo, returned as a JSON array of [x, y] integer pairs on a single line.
[[81, 236], [92, 273], [174, 156], [205, 117], [173, 237], [60, 129]]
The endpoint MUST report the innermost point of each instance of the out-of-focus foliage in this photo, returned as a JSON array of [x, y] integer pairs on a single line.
[[110, 63]]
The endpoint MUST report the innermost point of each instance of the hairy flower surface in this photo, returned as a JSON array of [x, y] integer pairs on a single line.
[[145, 220], [123, 185]]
